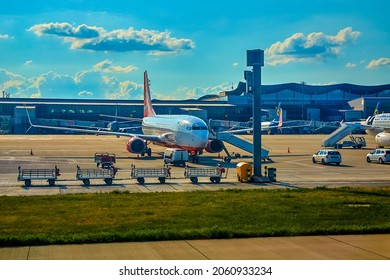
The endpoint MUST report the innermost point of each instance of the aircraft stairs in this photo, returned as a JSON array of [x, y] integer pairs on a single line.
[[240, 143], [337, 135]]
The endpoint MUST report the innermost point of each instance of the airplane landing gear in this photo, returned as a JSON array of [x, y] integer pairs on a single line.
[[195, 158], [147, 151]]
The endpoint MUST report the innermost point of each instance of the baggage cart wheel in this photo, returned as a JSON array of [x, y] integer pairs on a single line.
[[86, 182], [52, 182], [194, 180], [27, 182], [162, 180], [108, 181], [141, 180]]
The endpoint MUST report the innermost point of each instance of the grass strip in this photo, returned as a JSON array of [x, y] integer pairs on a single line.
[[123, 216]]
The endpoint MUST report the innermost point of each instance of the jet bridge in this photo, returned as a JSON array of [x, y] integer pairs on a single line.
[[337, 135]]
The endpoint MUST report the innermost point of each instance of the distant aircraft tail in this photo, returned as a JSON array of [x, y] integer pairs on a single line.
[[376, 111], [280, 123], [278, 120], [148, 109]]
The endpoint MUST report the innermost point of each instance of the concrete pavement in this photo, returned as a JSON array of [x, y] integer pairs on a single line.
[[330, 247]]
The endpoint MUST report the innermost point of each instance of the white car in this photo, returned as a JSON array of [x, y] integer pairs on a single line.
[[327, 156], [379, 155]]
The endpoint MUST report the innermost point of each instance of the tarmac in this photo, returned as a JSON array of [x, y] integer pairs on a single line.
[[290, 155]]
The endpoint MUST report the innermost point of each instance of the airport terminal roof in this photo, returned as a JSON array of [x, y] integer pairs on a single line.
[[314, 89]]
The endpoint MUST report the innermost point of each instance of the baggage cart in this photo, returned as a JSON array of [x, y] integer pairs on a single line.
[[214, 174], [141, 173], [105, 160], [27, 175], [86, 175]]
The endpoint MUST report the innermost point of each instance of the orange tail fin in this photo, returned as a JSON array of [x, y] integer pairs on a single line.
[[148, 109]]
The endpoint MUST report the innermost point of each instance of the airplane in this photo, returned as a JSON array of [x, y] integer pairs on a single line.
[[276, 123], [174, 131], [378, 126], [269, 127]]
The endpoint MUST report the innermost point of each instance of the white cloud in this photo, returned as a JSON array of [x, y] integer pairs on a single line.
[[85, 93], [28, 62], [108, 67], [195, 93], [121, 40], [235, 64], [4, 36], [350, 65], [381, 62], [315, 46], [65, 29], [88, 83]]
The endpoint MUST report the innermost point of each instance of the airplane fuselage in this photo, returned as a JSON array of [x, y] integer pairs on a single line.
[[380, 129], [178, 131]]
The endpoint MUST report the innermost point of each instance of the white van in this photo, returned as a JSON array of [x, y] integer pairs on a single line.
[[175, 156]]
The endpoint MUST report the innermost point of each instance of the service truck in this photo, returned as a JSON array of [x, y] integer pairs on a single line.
[[176, 157]]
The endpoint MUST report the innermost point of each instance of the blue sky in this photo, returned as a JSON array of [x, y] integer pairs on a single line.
[[99, 49]]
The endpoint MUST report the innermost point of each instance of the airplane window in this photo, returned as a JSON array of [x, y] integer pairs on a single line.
[[198, 127]]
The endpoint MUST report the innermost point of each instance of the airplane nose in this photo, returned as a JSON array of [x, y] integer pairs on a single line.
[[200, 139]]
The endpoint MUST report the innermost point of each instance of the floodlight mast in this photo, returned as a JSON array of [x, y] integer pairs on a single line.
[[255, 58]]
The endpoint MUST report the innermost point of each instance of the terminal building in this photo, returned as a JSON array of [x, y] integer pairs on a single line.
[[330, 103]]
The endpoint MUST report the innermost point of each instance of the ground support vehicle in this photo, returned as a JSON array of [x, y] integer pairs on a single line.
[[105, 160], [141, 173], [215, 174], [355, 142], [85, 175], [177, 157], [27, 175]]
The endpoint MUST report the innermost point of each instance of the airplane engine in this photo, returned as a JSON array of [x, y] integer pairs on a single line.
[[136, 145], [214, 146], [114, 126], [383, 139]]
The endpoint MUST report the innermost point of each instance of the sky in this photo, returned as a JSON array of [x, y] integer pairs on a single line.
[[100, 49]]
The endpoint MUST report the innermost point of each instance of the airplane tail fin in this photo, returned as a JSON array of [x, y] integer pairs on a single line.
[[376, 112], [279, 116], [148, 109], [280, 123]]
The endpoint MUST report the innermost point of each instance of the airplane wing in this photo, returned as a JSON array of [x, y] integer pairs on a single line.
[[122, 118], [153, 138]]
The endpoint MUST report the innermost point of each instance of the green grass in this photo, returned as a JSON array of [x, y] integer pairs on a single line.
[[115, 217]]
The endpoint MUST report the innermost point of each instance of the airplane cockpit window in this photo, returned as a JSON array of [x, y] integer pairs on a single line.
[[198, 127]]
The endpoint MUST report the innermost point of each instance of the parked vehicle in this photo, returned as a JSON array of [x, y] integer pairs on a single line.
[[176, 156], [379, 155], [327, 156], [105, 160]]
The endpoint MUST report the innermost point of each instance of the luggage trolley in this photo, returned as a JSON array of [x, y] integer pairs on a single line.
[[85, 175], [215, 174], [27, 175], [141, 173]]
